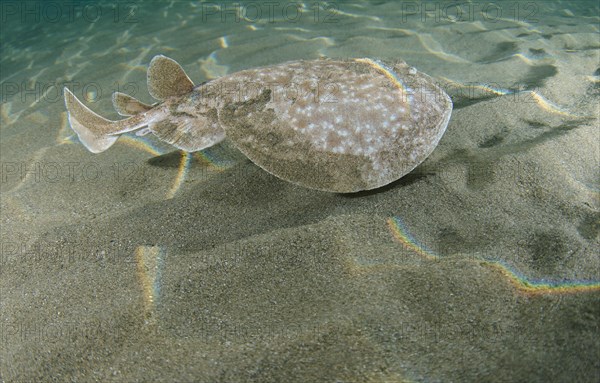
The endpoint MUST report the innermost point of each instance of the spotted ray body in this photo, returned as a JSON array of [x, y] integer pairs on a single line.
[[334, 125]]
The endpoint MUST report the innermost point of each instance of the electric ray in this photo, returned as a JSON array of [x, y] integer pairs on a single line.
[[327, 124]]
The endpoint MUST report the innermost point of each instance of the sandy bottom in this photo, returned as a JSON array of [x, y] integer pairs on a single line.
[[147, 264]]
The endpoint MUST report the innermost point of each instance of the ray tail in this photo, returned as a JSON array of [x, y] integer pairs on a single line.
[[95, 132]]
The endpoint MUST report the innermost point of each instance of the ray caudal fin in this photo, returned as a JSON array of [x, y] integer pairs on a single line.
[[96, 133]]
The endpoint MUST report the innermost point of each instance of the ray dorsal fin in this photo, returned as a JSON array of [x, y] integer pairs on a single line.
[[127, 105], [166, 78]]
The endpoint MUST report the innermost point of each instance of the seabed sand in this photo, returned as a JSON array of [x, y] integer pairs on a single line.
[[152, 265]]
